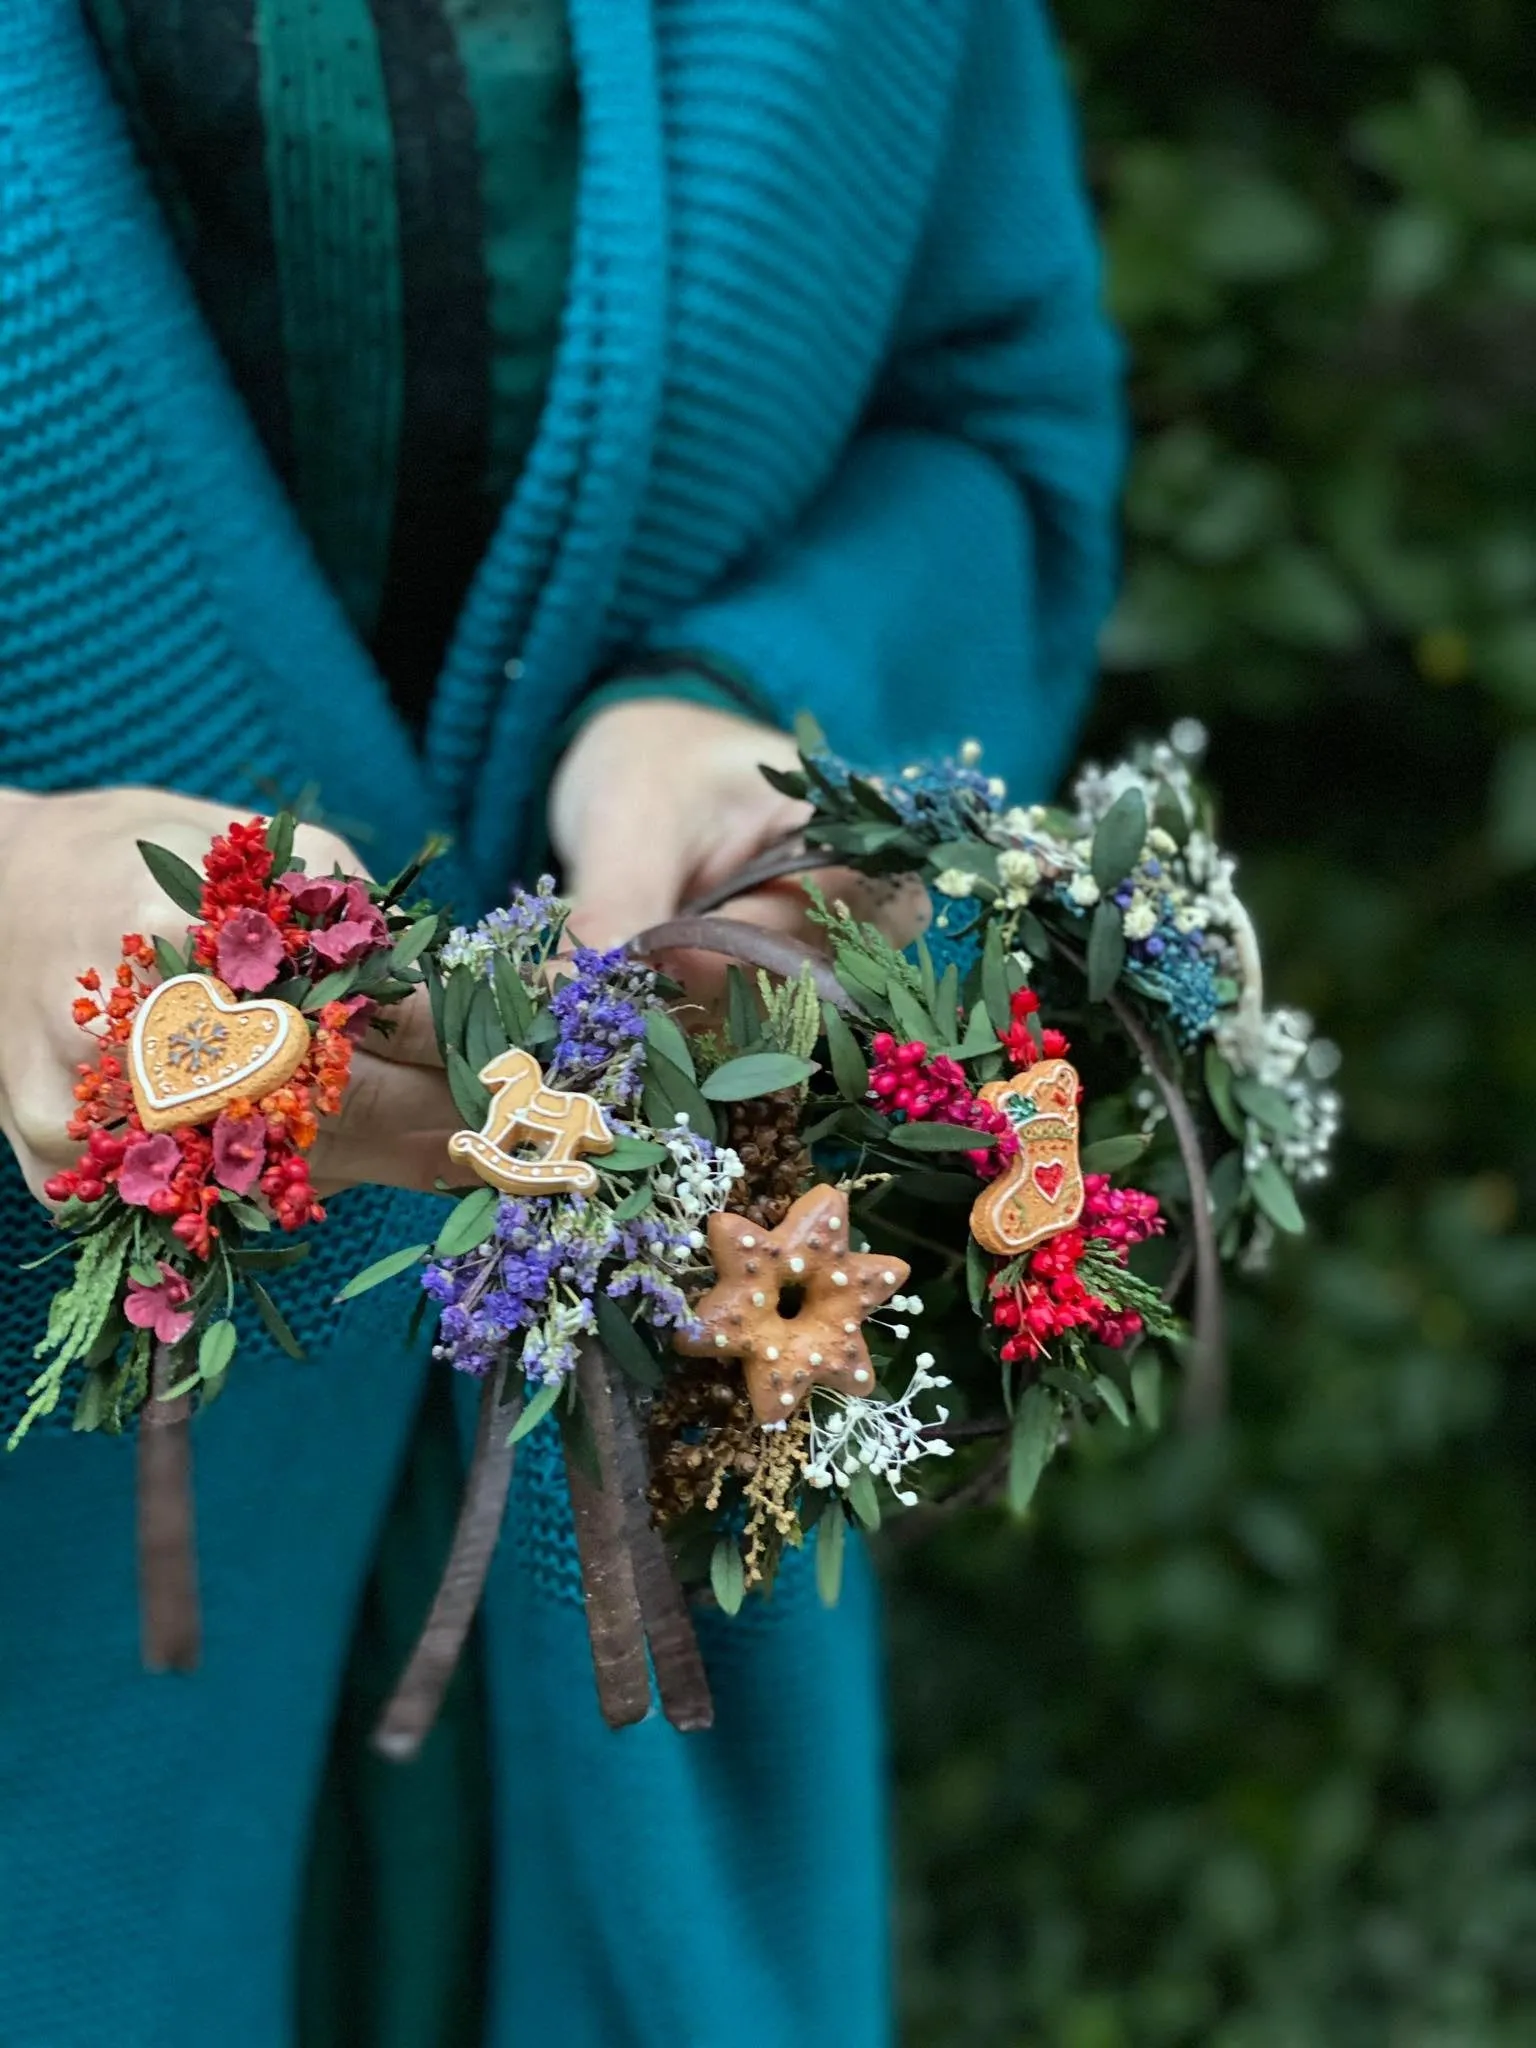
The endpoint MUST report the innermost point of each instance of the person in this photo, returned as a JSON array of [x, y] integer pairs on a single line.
[[498, 417]]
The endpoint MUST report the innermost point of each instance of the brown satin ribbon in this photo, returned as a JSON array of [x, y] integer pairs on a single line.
[[787, 857], [735, 940], [413, 1706], [615, 1623], [681, 1678], [632, 1594], [170, 1621]]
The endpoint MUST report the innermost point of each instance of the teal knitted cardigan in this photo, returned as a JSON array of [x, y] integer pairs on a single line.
[[834, 410]]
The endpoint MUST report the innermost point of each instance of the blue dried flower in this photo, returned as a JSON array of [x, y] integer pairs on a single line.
[[954, 937], [1176, 968], [949, 798]]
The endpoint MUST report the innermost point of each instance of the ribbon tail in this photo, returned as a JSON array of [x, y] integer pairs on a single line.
[[789, 856], [412, 1708], [615, 1624], [681, 1678], [170, 1619]]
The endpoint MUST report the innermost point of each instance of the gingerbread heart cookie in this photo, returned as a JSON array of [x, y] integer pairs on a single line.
[[196, 1048]]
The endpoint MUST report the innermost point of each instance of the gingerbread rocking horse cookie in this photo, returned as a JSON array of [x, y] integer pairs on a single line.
[[1041, 1192], [534, 1137]]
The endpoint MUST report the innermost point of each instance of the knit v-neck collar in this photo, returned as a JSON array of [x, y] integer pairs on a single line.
[[540, 601], [533, 621]]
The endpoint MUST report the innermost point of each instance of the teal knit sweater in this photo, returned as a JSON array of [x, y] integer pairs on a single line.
[[833, 411]]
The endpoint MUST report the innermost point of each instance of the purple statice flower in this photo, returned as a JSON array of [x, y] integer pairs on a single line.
[[530, 1285], [467, 1337], [599, 1013], [652, 1248]]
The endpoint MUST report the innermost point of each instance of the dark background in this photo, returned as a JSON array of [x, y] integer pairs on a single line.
[[1232, 1744]]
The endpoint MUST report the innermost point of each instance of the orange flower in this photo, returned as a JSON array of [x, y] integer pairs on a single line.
[[290, 1115], [332, 1054]]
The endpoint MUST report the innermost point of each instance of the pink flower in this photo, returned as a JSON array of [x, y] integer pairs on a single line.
[[314, 895], [250, 950], [160, 1308], [359, 931], [239, 1152], [147, 1167]]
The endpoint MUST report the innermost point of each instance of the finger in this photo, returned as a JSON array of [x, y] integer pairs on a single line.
[[627, 873], [393, 1130], [36, 1116], [405, 1033], [322, 852], [899, 906], [778, 909]]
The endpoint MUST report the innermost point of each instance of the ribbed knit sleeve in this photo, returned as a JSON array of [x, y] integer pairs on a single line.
[[951, 579]]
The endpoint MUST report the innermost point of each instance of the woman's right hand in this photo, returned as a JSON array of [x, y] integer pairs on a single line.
[[72, 882]]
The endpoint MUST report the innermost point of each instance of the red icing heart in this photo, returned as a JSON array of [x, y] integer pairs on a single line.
[[1049, 1175]]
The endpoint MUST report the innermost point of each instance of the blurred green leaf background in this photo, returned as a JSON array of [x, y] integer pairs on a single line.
[[1234, 1744]]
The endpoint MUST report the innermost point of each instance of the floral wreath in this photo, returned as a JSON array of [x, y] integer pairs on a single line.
[[769, 1271]]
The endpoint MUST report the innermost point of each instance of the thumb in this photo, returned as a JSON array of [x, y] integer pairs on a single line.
[[409, 1037]]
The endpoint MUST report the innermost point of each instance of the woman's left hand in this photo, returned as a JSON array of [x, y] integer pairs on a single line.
[[659, 800]]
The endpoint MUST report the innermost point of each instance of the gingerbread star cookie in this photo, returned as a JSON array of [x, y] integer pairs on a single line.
[[790, 1303]]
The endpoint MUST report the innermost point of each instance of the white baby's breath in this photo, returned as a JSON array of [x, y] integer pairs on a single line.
[[850, 1434]]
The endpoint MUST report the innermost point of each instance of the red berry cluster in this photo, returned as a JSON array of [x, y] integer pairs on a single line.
[[286, 1185], [935, 1090], [924, 1089], [1051, 1298]]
